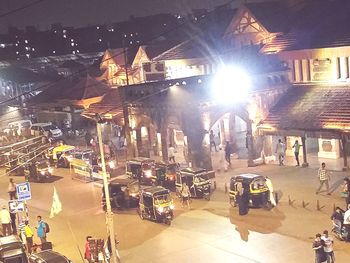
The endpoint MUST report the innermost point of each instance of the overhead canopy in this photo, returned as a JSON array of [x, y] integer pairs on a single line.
[[311, 108]]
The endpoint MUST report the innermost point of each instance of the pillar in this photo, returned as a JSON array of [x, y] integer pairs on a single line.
[[250, 145], [303, 142], [142, 142], [164, 142], [344, 151], [198, 151], [232, 131]]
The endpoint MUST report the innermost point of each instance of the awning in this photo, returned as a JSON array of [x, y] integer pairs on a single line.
[[310, 109]]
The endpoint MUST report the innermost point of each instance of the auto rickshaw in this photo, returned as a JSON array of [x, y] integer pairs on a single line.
[[258, 190], [38, 170], [156, 204], [124, 193], [62, 155], [142, 169], [165, 175], [197, 180]]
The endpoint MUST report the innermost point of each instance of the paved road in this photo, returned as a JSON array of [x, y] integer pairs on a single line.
[[210, 232]]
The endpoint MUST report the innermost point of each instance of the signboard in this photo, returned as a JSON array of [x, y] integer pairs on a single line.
[[153, 71], [16, 206], [23, 191]]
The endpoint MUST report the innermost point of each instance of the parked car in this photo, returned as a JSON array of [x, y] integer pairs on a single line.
[[47, 129], [12, 250], [48, 256]]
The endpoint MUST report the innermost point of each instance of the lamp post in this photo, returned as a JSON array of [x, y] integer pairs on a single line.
[[109, 214]]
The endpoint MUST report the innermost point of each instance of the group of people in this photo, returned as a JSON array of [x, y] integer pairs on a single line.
[[24, 230], [323, 246], [281, 151]]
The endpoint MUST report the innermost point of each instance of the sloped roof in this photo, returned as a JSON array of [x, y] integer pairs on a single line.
[[318, 24], [272, 15], [111, 104], [71, 89], [205, 38], [311, 108]]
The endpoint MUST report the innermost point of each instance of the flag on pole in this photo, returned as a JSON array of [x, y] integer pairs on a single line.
[[56, 204]]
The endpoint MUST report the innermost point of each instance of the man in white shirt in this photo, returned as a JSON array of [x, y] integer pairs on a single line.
[[280, 151], [171, 153], [328, 247], [347, 222], [5, 220]]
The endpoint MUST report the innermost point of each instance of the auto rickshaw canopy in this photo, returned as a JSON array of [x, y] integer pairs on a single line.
[[62, 149]]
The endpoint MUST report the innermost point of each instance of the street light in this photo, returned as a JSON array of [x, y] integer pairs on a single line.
[[230, 84]]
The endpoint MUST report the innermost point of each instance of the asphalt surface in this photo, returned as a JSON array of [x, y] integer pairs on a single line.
[[211, 231]]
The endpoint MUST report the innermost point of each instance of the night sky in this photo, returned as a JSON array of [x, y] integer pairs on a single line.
[[85, 12]]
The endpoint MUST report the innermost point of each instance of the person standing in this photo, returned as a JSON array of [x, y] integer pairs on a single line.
[[228, 151], [13, 223], [346, 191], [328, 247], [317, 246], [28, 232], [324, 178], [346, 222], [87, 253], [5, 220], [271, 193], [296, 147], [244, 200], [12, 189], [171, 153], [280, 151], [212, 140], [41, 230], [185, 194]]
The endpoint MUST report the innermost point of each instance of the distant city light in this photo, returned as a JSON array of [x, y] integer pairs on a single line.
[[54, 52], [33, 49], [72, 44], [2, 45], [97, 27], [26, 41], [27, 55], [100, 39]]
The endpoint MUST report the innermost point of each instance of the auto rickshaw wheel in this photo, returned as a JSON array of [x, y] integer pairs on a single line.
[[167, 221]]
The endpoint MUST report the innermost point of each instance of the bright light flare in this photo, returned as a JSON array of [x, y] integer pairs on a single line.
[[231, 84]]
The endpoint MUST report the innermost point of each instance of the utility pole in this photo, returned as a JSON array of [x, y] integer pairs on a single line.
[[109, 214]]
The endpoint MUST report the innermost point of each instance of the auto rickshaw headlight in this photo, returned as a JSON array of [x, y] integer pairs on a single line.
[[69, 158], [148, 173], [160, 209], [172, 207], [42, 172], [50, 170], [111, 164]]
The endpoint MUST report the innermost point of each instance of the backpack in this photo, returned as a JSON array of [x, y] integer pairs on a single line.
[[47, 228]]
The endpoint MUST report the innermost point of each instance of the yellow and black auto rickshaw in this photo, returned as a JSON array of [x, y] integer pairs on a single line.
[[141, 168], [156, 204], [258, 190], [198, 181], [124, 193], [62, 155]]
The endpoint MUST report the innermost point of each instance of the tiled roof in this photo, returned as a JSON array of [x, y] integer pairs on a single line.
[[311, 108], [110, 104], [317, 24], [70, 89]]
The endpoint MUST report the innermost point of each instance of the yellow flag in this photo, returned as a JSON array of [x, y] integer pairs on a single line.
[[56, 204]]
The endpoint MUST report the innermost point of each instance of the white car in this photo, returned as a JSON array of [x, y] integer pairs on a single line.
[[47, 129]]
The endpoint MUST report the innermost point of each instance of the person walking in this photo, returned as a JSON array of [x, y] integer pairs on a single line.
[[296, 147], [28, 232], [185, 194], [212, 140], [5, 220], [346, 222], [280, 151], [244, 200], [41, 230], [324, 178], [87, 253], [228, 151], [171, 153], [317, 246], [346, 191], [271, 192], [12, 189], [328, 246]]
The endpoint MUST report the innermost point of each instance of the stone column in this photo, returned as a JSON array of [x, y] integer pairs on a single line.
[[199, 154], [232, 125], [344, 150], [250, 145], [303, 142], [164, 142]]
